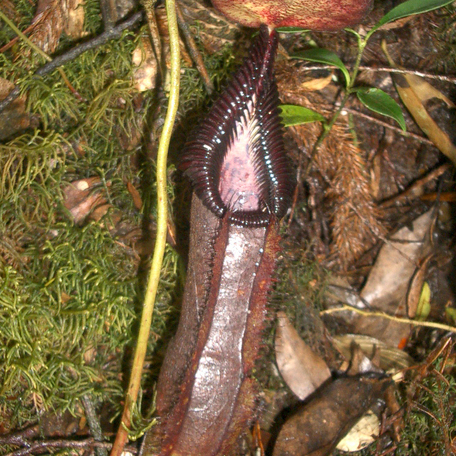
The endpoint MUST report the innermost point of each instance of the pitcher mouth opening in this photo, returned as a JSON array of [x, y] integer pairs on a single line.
[[236, 158]]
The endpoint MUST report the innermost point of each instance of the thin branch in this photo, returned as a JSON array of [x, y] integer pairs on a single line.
[[75, 52], [427, 324], [20, 438], [160, 238], [61, 443], [94, 423], [195, 54], [99, 40], [416, 185], [108, 13], [407, 134], [155, 35], [439, 77]]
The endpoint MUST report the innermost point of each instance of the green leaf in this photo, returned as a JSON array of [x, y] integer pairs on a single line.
[[324, 56], [297, 115], [380, 102], [424, 304], [451, 313], [409, 8]]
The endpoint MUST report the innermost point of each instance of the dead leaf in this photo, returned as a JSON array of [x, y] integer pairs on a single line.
[[302, 369], [396, 24], [375, 175], [362, 434], [100, 209], [414, 92], [316, 428], [390, 359], [64, 298], [137, 201], [214, 30], [316, 84], [14, 118], [360, 363], [396, 412], [145, 73], [50, 19], [386, 287], [74, 26], [83, 197]]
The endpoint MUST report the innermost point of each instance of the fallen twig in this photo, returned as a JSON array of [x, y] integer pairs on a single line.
[[416, 185], [60, 443], [366, 313], [94, 423], [195, 54], [407, 134], [107, 35], [422, 74]]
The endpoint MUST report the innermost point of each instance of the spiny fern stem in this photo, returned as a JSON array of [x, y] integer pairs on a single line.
[[328, 127]]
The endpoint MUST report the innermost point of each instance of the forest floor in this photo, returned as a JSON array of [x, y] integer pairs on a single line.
[[366, 271]]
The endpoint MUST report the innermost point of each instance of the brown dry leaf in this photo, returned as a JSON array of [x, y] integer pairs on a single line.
[[82, 198], [316, 429], [362, 434], [145, 73], [396, 24], [171, 235], [414, 92], [375, 176], [100, 209], [390, 359], [302, 369], [214, 30], [137, 201], [360, 363], [64, 298], [14, 118], [396, 412], [388, 282], [316, 84], [50, 19], [74, 26]]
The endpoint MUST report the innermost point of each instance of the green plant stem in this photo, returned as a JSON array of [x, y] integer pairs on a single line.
[[160, 240], [328, 127]]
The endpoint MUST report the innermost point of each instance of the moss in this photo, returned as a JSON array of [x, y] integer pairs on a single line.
[[430, 421], [71, 295]]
